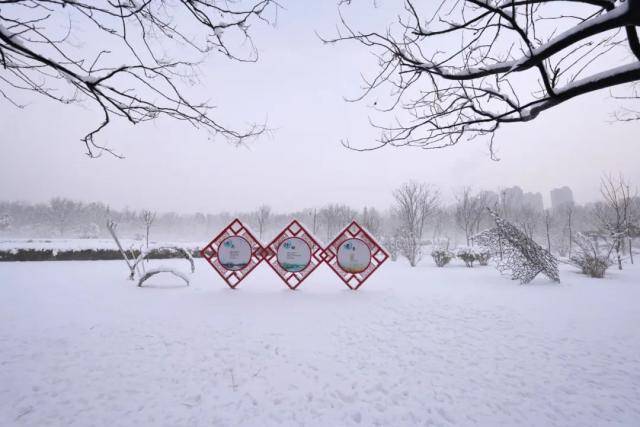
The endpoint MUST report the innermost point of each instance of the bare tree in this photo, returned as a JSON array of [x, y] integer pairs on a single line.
[[148, 218], [469, 211], [548, 223], [528, 219], [615, 214], [634, 223], [336, 217], [371, 220], [508, 62], [138, 55], [61, 211], [262, 216], [415, 203], [314, 217], [568, 213]]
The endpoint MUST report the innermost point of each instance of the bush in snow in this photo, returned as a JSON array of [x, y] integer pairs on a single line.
[[589, 259], [442, 256], [483, 255], [467, 255]]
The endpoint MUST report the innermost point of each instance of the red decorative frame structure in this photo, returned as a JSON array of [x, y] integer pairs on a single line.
[[378, 255], [210, 253], [293, 279]]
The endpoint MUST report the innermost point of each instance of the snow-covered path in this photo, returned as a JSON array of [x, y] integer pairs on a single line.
[[80, 345]]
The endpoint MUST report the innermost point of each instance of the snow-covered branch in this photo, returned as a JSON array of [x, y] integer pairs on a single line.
[[477, 64], [151, 48]]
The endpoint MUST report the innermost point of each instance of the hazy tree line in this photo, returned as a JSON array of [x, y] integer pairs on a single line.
[[418, 217]]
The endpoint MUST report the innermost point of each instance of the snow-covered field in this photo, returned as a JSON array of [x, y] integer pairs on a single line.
[[80, 345]]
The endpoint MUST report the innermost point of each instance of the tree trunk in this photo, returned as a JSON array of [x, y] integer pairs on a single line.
[[618, 255], [631, 249]]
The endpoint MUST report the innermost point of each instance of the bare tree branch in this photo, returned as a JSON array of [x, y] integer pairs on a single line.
[[151, 49], [478, 64]]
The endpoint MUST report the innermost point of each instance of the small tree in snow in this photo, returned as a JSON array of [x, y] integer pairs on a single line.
[[371, 220], [415, 203], [61, 211], [589, 258], [615, 214], [522, 257], [262, 216], [469, 211], [148, 218]]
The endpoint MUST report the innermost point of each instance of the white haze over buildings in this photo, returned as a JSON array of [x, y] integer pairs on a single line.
[[298, 88]]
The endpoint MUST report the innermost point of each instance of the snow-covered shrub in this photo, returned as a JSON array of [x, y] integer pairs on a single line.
[[589, 259], [442, 256], [483, 255], [467, 255]]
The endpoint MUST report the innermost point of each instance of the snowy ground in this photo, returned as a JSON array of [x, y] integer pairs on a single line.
[[80, 345]]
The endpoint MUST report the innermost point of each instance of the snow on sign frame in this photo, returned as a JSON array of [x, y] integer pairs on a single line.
[[234, 253], [294, 254], [354, 255]]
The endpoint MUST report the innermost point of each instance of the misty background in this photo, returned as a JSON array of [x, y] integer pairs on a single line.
[[297, 87]]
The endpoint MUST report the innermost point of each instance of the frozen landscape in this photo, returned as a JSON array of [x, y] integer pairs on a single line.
[[81, 345], [474, 162]]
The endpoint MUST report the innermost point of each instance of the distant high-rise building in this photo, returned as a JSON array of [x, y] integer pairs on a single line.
[[562, 196], [513, 196], [533, 201]]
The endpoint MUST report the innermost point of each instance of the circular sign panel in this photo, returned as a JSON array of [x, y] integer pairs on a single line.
[[234, 253], [294, 254], [354, 256]]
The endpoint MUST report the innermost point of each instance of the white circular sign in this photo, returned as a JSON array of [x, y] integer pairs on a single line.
[[354, 256], [294, 254], [234, 253]]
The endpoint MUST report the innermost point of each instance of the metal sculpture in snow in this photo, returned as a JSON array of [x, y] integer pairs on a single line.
[[518, 255]]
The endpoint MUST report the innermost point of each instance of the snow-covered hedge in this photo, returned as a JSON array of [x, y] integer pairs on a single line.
[[472, 254], [442, 256], [467, 255], [483, 256], [41, 254]]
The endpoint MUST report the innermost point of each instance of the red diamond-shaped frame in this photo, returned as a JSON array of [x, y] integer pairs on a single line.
[[210, 253], [378, 255], [293, 279]]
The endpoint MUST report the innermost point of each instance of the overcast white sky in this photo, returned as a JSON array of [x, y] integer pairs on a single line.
[[298, 87]]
